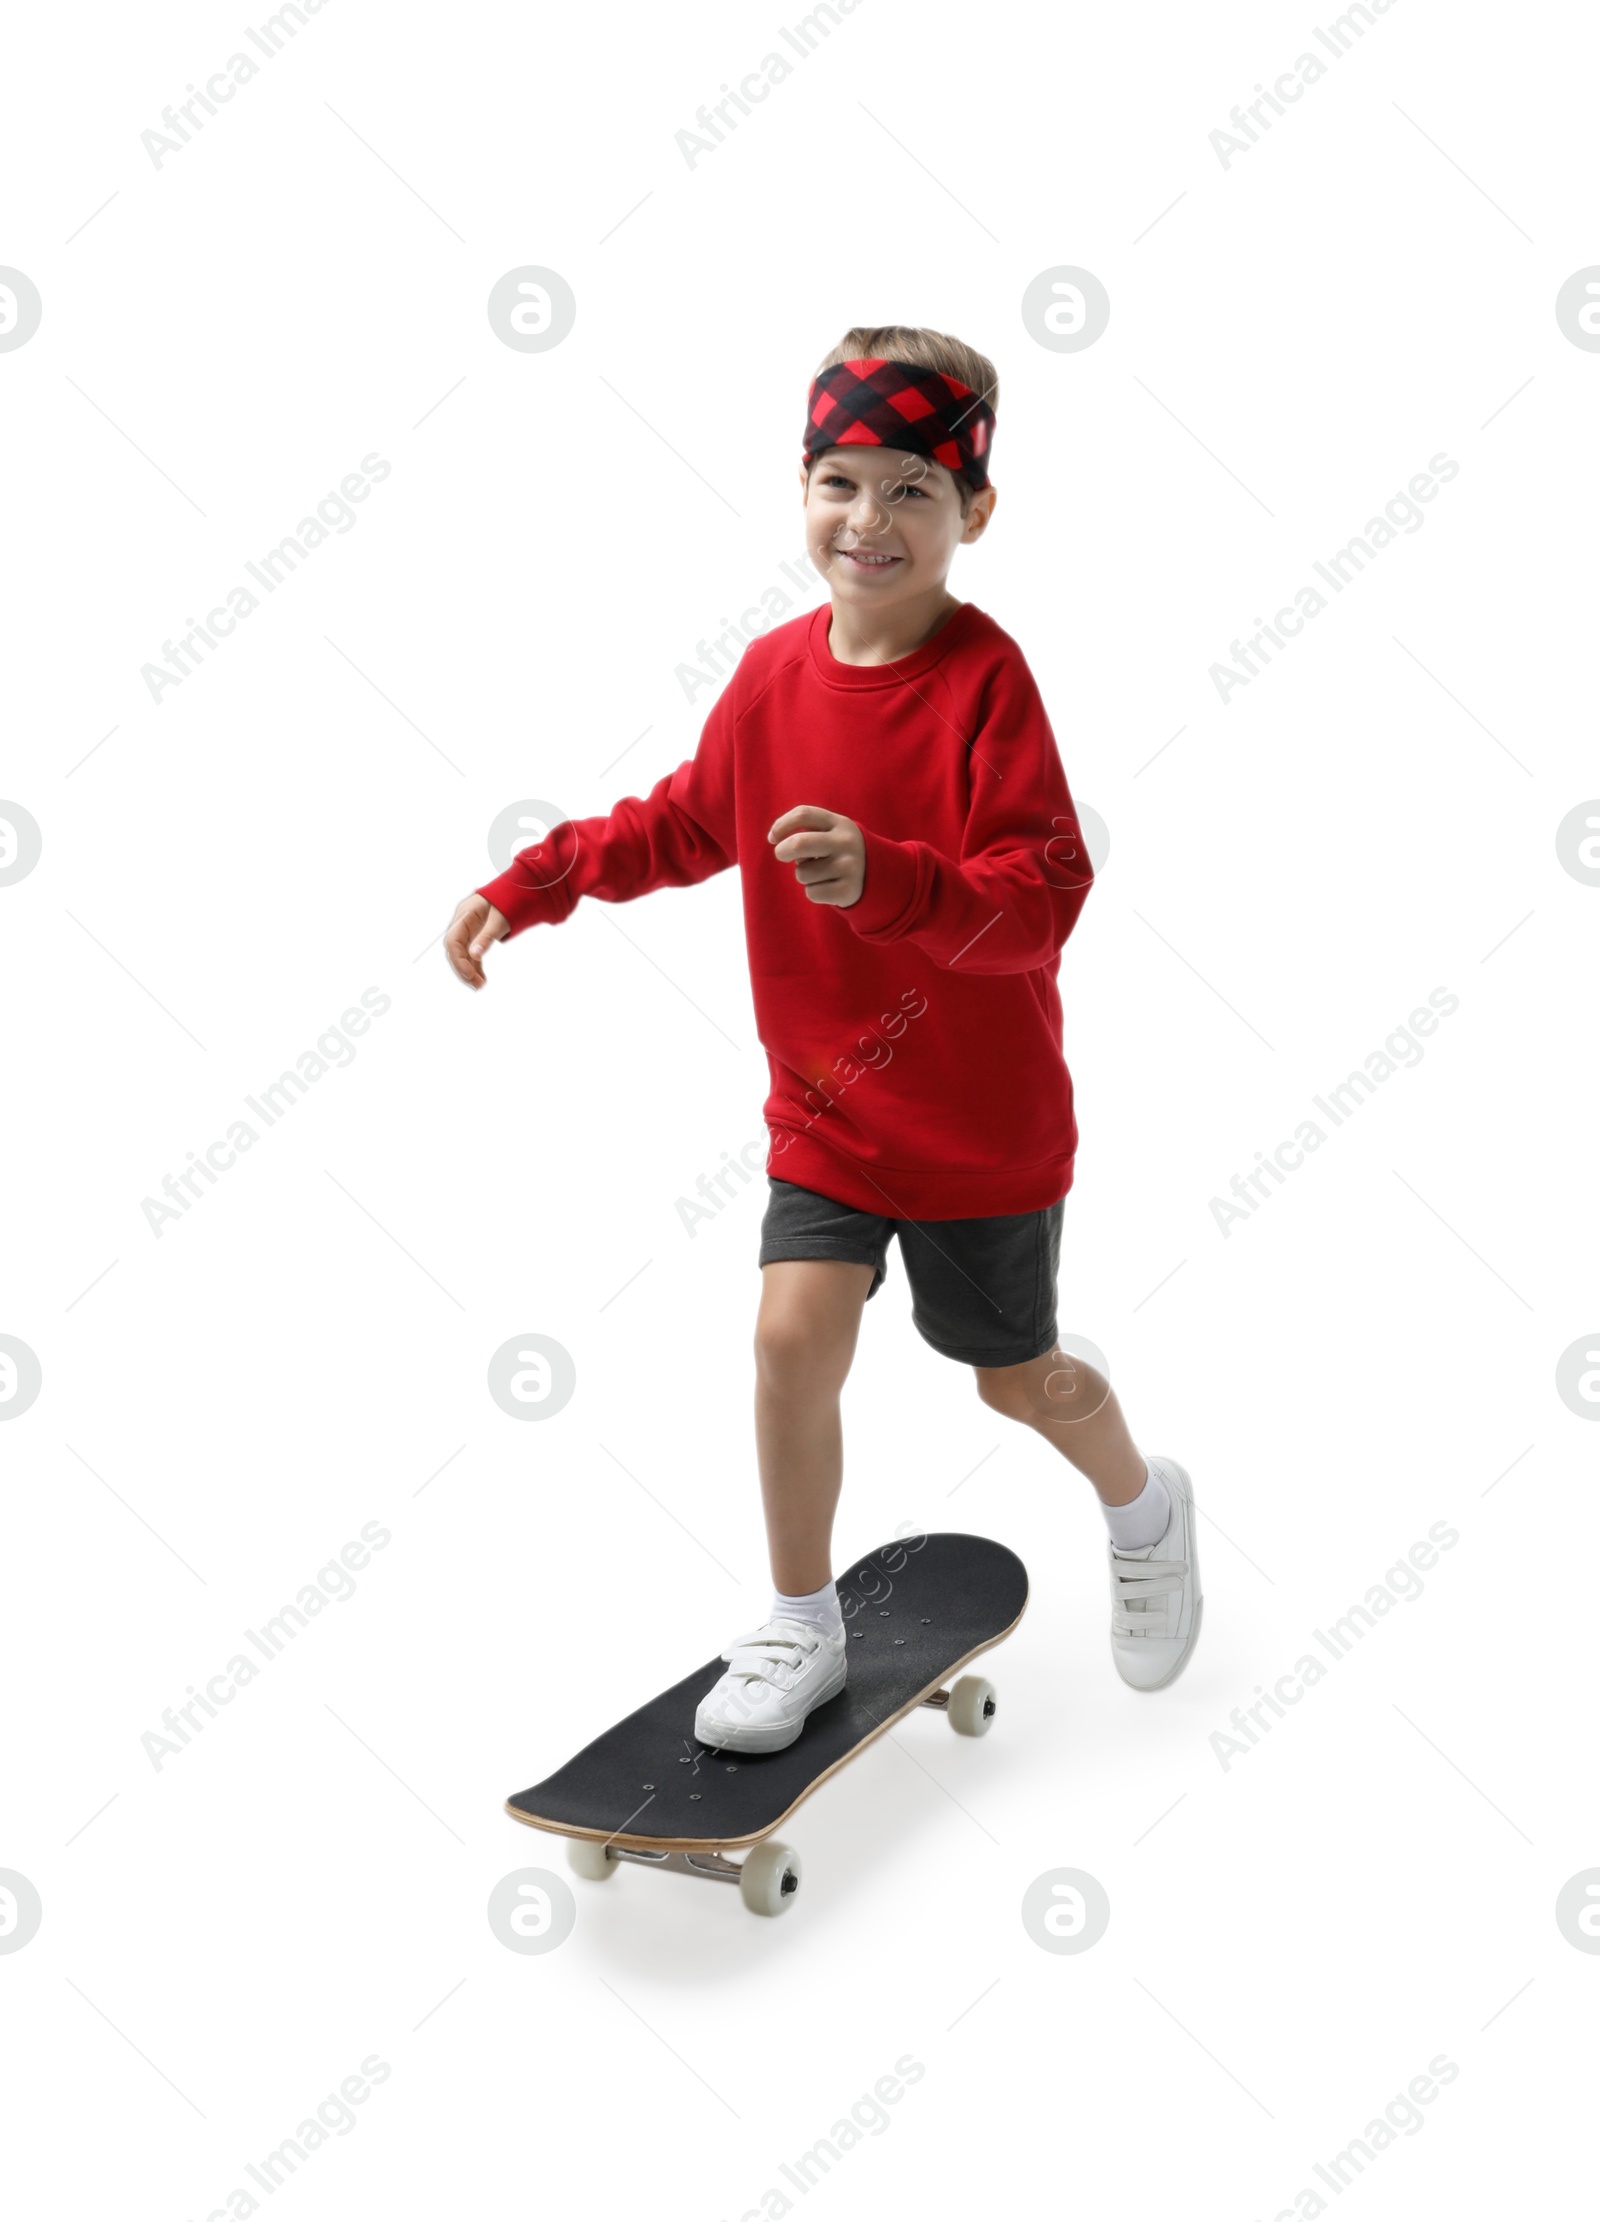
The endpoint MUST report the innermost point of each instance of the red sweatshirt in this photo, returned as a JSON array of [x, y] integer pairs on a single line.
[[914, 1039]]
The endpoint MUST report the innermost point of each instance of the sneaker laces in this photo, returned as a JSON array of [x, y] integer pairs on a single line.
[[1137, 1587]]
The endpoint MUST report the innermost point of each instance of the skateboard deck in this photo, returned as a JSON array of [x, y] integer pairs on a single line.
[[915, 1611]]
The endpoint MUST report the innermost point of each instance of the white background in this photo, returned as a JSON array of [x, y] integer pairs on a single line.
[[1292, 1938]]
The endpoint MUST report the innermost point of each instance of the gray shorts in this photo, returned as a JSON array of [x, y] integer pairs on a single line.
[[983, 1291]]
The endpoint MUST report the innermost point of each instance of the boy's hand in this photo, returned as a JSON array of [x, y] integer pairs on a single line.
[[475, 925], [827, 852]]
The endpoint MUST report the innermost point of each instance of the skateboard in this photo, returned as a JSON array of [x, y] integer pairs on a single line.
[[649, 1793]]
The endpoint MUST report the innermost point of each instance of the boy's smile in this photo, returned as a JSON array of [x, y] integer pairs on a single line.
[[863, 559], [882, 525]]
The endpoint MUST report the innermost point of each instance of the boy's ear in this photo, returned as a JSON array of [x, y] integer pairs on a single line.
[[979, 510]]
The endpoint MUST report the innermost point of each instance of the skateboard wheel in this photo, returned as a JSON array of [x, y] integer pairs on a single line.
[[769, 1878], [972, 1706], [590, 1859]]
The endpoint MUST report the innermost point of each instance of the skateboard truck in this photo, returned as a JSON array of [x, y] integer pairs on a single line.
[[682, 1863], [768, 1876]]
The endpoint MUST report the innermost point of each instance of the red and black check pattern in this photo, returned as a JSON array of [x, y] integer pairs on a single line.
[[872, 402]]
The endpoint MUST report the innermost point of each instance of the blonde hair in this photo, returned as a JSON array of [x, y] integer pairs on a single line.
[[929, 350]]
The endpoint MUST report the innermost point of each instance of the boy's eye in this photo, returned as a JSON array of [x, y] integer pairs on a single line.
[[891, 494]]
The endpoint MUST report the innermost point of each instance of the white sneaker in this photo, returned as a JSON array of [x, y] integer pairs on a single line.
[[776, 1675], [1155, 1594]]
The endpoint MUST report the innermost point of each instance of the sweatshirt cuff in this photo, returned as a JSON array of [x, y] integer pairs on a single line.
[[892, 877], [523, 902]]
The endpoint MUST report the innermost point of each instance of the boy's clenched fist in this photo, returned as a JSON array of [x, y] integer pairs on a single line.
[[827, 852]]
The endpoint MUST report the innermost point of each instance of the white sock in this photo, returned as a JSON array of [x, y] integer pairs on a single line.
[[1143, 1521], [821, 1609]]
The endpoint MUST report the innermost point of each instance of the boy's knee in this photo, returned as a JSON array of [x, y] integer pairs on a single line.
[[1055, 1390], [794, 1350], [1005, 1389]]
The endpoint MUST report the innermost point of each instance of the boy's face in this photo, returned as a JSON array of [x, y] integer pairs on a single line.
[[882, 524]]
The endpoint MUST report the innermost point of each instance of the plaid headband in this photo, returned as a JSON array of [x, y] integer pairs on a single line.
[[872, 402]]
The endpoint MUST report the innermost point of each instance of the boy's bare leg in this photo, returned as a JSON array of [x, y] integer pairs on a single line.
[[1155, 1602], [805, 1339], [1074, 1407]]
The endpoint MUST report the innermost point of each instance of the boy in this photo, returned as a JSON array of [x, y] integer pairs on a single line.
[[883, 773]]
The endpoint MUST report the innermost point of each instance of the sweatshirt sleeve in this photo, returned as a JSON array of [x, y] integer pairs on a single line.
[[1011, 898], [681, 832]]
